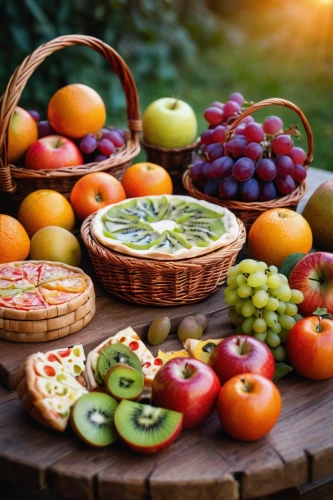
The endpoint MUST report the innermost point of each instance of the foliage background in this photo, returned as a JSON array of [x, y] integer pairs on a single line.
[[200, 50]]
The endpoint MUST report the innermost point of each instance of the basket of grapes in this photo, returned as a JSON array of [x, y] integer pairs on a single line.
[[250, 167], [74, 141]]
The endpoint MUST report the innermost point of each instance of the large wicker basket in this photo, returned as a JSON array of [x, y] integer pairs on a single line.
[[249, 212], [161, 283], [18, 182]]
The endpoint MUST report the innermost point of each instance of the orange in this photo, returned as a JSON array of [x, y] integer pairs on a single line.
[[15, 243], [22, 133], [94, 191], [146, 179], [76, 110], [43, 208], [276, 234]]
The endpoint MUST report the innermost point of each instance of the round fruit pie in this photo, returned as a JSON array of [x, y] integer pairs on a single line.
[[32, 289], [165, 227]]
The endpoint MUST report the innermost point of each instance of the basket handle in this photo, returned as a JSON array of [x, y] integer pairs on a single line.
[[23, 72], [280, 102]]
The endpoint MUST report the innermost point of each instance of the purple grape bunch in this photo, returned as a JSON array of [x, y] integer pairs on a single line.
[[98, 147], [258, 163]]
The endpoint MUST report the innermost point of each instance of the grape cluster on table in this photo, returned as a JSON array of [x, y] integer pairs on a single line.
[[262, 304], [259, 162], [95, 147]]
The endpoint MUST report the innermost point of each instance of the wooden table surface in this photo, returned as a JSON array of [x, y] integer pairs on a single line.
[[204, 463]]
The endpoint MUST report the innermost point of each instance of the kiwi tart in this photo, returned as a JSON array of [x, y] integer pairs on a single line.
[[164, 227]]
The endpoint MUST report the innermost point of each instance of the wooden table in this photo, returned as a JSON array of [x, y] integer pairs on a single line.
[[203, 463]]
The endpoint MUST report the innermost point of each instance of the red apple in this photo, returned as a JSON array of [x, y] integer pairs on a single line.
[[310, 348], [241, 354], [52, 152], [188, 386], [313, 276]]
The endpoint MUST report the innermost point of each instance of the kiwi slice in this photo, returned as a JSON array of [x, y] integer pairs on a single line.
[[116, 353], [124, 382], [145, 428], [166, 224], [92, 419]]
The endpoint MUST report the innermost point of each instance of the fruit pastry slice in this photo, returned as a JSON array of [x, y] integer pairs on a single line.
[[72, 358], [128, 338], [201, 349], [11, 273], [31, 272], [47, 392], [28, 300]]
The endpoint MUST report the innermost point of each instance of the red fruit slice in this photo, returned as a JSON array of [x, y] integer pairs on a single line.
[[64, 354], [11, 273], [158, 362], [134, 346], [49, 370], [52, 357], [147, 364]]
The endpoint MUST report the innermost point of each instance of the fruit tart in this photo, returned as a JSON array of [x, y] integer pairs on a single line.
[[49, 384], [164, 227]]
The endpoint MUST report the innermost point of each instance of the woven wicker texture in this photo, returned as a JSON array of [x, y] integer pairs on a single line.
[[23, 181], [161, 283], [249, 212]]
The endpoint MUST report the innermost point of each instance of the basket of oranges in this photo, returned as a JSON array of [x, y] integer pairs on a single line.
[[249, 167], [74, 141]]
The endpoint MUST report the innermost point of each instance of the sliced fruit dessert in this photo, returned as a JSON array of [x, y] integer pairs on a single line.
[[92, 419], [147, 429], [164, 227], [128, 338], [48, 385], [113, 355], [201, 349], [124, 382], [37, 285]]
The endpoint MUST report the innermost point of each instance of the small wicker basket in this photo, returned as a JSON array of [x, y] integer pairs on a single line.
[[18, 182], [175, 161], [249, 212], [161, 283]]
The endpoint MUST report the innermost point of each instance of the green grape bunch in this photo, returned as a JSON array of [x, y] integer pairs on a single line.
[[262, 304]]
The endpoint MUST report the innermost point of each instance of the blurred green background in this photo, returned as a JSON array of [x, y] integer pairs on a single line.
[[200, 50]]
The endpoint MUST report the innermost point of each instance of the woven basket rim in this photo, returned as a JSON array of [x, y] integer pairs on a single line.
[[9, 100], [126, 260], [292, 198], [127, 153], [190, 147]]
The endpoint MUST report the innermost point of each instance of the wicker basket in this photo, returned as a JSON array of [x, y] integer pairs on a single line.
[[249, 212], [161, 283], [175, 161], [18, 182]]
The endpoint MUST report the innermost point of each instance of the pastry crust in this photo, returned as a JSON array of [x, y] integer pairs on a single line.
[[228, 218], [51, 311]]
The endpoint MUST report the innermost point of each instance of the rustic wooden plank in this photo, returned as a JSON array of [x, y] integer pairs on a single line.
[[26, 448], [6, 395], [111, 316]]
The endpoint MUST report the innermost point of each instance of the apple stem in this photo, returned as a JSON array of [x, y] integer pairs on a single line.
[[187, 372], [318, 327], [246, 385], [175, 103], [320, 280], [98, 197]]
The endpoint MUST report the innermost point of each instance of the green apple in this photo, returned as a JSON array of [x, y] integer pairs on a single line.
[[169, 123]]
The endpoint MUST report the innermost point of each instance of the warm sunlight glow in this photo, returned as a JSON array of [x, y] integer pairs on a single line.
[[326, 1]]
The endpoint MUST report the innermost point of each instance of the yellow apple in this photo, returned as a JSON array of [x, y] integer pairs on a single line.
[[169, 123]]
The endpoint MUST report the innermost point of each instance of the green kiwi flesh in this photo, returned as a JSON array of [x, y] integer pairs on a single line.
[[145, 428], [114, 354], [124, 382], [92, 419]]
